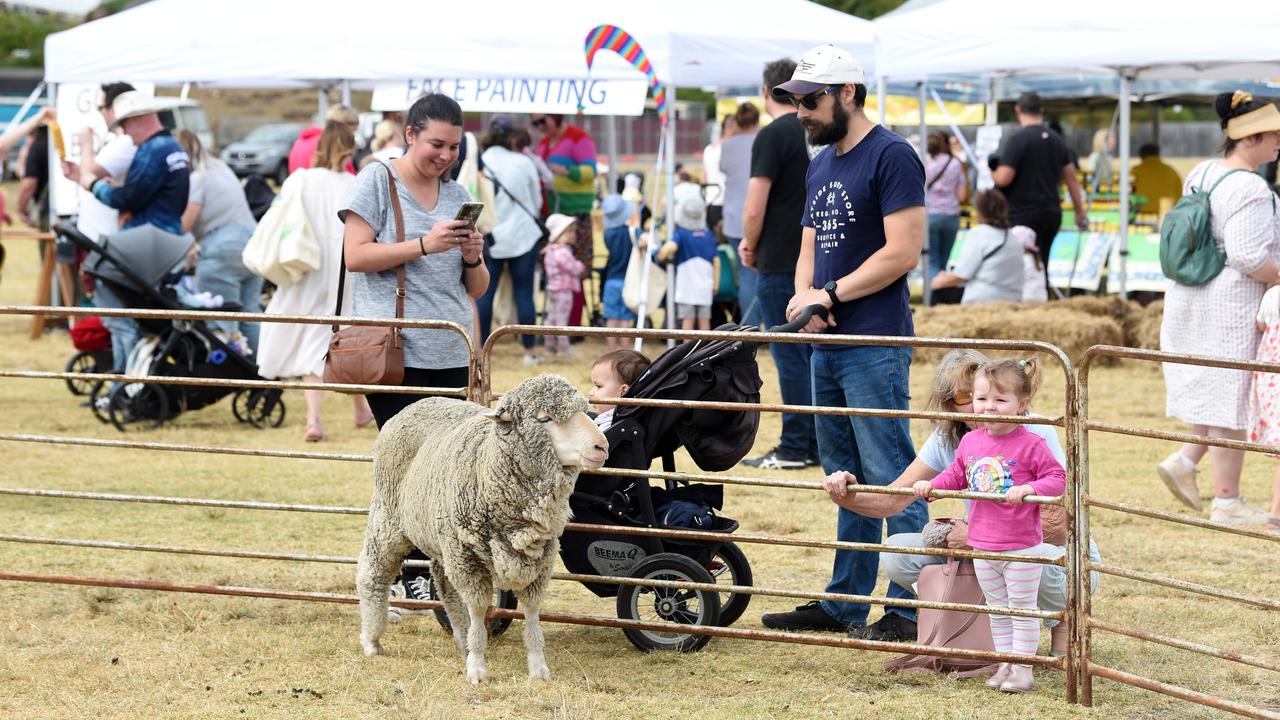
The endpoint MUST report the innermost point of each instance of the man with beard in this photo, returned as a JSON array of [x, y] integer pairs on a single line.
[[864, 223]]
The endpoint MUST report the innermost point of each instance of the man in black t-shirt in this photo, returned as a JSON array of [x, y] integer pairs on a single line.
[[1032, 164], [771, 246], [33, 191]]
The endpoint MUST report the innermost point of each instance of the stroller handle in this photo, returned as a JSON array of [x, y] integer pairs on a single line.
[[73, 234], [803, 319]]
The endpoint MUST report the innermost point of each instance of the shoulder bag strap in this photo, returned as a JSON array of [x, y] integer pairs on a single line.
[[502, 188], [941, 172], [996, 249], [342, 263]]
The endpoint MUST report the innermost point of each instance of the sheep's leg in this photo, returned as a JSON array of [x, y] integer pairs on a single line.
[[459, 617], [531, 601], [384, 549], [476, 591]]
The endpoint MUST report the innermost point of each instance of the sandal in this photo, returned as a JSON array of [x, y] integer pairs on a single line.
[[315, 433]]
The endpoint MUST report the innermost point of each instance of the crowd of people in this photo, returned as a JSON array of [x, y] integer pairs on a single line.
[[821, 206]]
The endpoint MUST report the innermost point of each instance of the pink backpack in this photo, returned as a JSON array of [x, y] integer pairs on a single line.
[[953, 582]]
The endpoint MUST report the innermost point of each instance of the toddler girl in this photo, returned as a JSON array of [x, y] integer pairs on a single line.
[[563, 273], [1005, 458]]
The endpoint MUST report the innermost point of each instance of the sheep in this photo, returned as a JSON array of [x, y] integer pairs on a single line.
[[486, 495]]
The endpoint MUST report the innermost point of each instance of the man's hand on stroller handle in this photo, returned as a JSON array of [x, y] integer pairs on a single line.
[[837, 484], [813, 318]]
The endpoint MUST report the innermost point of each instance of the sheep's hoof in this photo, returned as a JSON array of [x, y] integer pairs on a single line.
[[477, 675], [540, 673], [372, 648]]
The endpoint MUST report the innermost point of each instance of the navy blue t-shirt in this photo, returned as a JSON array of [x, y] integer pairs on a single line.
[[847, 197], [618, 241]]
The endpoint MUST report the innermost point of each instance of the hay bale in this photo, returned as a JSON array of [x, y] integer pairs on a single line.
[[1126, 312], [1058, 323], [1146, 333]]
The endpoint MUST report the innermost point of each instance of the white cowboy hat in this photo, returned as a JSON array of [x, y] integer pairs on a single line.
[[131, 104]]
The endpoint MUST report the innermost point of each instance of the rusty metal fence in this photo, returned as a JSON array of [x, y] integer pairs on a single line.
[[1077, 663], [1086, 502]]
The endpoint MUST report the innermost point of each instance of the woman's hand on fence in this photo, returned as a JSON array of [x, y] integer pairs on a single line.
[[837, 484], [923, 488], [446, 235], [958, 538], [1018, 493]]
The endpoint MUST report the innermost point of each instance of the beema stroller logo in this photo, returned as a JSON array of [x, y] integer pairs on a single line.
[[610, 557]]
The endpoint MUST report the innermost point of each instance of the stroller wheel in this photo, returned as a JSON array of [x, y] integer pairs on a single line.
[[81, 362], [729, 566], [504, 599], [99, 398], [146, 409], [662, 604], [240, 405], [265, 409]]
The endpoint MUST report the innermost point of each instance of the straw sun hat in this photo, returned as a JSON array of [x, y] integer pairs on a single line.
[[1243, 116]]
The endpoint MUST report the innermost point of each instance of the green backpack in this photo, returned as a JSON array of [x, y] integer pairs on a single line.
[[1188, 255], [727, 289]]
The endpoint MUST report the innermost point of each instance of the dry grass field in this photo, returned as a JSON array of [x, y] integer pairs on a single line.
[[104, 653]]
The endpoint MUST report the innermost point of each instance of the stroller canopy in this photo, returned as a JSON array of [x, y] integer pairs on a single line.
[[143, 254]]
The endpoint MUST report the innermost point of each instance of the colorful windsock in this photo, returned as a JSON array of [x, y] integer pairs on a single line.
[[612, 37]]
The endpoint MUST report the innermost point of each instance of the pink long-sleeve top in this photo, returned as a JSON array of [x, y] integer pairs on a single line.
[[563, 270], [995, 463]]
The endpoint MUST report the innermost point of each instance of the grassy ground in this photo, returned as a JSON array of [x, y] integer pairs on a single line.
[[104, 653]]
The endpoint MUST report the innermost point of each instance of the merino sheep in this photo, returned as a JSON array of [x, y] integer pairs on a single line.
[[486, 495]]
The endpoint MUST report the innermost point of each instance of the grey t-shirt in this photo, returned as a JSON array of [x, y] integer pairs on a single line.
[[991, 264], [217, 189], [735, 163], [432, 283]]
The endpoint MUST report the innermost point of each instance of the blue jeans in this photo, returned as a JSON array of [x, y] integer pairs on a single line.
[[942, 236], [522, 267], [874, 449], [748, 281], [124, 331], [798, 441], [220, 271]]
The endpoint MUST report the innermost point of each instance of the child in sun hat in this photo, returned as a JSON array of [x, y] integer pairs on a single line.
[[697, 262], [563, 278], [618, 238]]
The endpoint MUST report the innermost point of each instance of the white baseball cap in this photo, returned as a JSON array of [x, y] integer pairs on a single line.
[[822, 66]]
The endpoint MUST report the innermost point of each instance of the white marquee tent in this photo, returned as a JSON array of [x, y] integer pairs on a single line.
[[703, 43], [1183, 39]]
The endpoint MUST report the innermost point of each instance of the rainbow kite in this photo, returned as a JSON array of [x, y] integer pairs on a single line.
[[612, 37]]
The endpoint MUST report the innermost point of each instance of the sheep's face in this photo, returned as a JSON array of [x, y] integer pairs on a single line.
[[559, 410], [576, 440]]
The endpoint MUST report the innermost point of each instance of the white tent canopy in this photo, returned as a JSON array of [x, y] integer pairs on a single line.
[[703, 43], [1229, 39]]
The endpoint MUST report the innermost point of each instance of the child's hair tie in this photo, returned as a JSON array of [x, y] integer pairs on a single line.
[[1022, 365]]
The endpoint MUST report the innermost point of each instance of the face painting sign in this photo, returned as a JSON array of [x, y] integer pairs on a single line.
[[520, 95]]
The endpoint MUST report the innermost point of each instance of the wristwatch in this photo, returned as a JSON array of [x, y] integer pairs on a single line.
[[830, 289]]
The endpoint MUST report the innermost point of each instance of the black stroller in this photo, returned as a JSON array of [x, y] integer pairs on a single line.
[[136, 264], [715, 371]]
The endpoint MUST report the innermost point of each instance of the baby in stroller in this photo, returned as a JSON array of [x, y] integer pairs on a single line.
[[611, 376]]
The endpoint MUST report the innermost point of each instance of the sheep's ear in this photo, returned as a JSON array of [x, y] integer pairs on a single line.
[[498, 416]]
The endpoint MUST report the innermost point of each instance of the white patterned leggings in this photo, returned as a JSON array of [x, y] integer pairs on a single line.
[[1013, 585], [559, 303]]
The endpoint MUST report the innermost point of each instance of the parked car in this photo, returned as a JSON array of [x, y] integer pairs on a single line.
[[264, 151]]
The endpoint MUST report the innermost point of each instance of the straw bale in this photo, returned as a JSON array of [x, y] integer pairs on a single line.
[[1070, 328], [1146, 327]]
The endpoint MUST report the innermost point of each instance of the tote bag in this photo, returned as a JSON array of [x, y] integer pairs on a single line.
[[632, 292], [283, 248]]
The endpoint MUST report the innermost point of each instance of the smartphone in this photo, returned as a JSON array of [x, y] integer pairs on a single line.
[[470, 213]]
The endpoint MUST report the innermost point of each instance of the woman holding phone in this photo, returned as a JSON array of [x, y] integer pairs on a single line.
[[444, 266]]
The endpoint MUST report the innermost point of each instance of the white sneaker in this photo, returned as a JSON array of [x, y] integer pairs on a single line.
[[1238, 513], [532, 360], [395, 614], [1181, 481]]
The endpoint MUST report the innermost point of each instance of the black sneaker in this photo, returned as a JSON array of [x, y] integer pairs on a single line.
[[809, 616], [890, 628], [773, 460], [417, 587]]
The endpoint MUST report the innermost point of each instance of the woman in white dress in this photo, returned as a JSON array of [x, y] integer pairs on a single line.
[[1217, 318], [288, 350]]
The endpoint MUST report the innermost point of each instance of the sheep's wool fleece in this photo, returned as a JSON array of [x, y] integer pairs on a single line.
[[476, 493]]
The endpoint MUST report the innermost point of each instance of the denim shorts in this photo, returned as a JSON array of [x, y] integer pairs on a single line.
[[614, 308]]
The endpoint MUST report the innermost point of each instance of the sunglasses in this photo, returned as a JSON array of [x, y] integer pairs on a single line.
[[538, 122], [962, 397], [810, 101]]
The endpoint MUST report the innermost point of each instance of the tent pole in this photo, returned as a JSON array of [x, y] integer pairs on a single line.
[[346, 93], [882, 99], [923, 98], [1125, 131], [322, 102], [611, 142], [669, 212], [993, 102], [26, 106], [1157, 113]]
